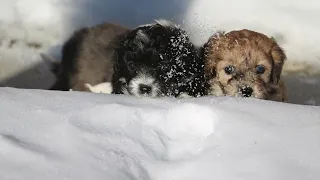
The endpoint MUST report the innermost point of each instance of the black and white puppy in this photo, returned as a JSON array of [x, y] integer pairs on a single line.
[[158, 60], [151, 60]]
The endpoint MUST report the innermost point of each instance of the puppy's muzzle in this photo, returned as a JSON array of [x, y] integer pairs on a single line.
[[245, 91], [145, 89]]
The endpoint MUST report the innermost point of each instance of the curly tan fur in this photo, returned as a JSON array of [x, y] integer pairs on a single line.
[[244, 50]]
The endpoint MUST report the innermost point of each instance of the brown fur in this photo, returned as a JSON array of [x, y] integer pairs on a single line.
[[245, 50], [87, 57]]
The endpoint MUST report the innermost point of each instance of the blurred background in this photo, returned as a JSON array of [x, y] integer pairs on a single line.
[[29, 27]]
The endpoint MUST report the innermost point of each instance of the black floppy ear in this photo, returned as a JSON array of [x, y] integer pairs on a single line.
[[141, 40], [129, 61], [115, 58], [278, 56], [156, 57]]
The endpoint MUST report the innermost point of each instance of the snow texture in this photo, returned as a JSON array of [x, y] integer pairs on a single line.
[[78, 135]]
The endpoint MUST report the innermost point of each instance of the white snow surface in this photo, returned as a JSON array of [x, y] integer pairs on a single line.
[[48, 135]]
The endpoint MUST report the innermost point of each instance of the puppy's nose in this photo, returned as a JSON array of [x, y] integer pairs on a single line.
[[245, 91], [145, 89]]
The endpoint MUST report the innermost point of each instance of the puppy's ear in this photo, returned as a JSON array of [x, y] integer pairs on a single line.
[[116, 60], [210, 55], [141, 39], [278, 55], [209, 61]]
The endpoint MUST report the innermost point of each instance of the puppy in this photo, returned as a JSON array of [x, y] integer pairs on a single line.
[[104, 87], [245, 64], [158, 60], [88, 57]]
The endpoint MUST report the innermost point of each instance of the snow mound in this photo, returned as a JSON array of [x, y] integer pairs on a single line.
[[78, 135], [185, 128], [189, 120]]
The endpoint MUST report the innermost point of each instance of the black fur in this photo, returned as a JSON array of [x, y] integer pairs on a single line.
[[166, 52], [109, 52]]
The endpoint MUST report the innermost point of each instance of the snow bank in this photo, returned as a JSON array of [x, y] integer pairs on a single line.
[[74, 135]]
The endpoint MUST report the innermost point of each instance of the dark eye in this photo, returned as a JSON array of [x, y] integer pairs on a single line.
[[260, 69], [131, 66], [229, 69]]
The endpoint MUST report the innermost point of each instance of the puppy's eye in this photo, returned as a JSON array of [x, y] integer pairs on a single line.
[[229, 69], [260, 69], [131, 66]]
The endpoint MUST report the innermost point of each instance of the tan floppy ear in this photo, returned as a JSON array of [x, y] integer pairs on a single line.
[[210, 69], [209, 62], [278, 55], [209, 56]]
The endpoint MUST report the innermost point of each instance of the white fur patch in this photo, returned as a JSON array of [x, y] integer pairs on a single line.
[[105, 87], [166, 23], [162, 22], [146, 25], [123, 80], [141, 36], [143, 79]]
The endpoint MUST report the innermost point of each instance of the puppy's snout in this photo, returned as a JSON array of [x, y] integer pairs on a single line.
[[145, 89], [245, 91]]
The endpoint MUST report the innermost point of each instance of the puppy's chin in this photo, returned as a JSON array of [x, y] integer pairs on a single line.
[[143, 85]]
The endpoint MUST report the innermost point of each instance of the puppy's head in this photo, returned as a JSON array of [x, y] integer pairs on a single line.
[[180, 69], [160, 55], [136, 66], [244, 63]]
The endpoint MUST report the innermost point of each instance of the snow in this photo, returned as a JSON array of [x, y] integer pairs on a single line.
[[78, 135], [73, 135]]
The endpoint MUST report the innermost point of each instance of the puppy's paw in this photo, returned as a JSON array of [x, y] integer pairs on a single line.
[[215, 89], [105, 87], [184, 96]]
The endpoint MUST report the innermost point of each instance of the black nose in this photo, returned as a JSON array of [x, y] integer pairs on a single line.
[[145, 89], [245, 91]]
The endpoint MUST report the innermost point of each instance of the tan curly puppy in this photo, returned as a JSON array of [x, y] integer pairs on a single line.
[[245, 63]]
